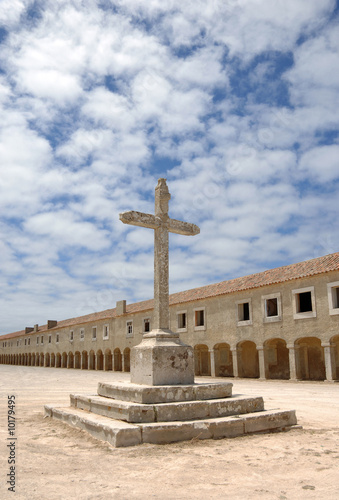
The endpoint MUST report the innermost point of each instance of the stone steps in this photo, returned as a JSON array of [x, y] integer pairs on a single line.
[[119, 433], [167, 412]]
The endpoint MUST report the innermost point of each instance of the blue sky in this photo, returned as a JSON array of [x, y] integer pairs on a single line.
[[234, 102]]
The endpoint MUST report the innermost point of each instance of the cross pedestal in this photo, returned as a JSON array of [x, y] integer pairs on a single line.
[[161, 358]]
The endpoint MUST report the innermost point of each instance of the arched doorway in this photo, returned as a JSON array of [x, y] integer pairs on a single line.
[[202, 360], [127, 358], [223, 360], [311, 359], [248, 360], [91, 365], [108, 360], [84, 360], [47, 360], [277, 356], [64, 360], [99, 360], [335, 343], [52, 360], [117, 360], [77, 360], [58, 360]]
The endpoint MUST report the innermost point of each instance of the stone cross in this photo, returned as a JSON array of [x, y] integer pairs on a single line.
[[162, 225]]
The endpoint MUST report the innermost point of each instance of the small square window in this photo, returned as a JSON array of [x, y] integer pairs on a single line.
[[82, 333], [304, 303], [272, 307], [147, 325], [94, 333], [106, 331], [244, 312], [129, 328], [199, 319], [182, 320]]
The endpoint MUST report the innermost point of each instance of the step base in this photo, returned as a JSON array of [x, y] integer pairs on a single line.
[[119, 433], [167, 412]]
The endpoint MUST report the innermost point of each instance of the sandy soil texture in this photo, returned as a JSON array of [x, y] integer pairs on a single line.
[[54, 461]]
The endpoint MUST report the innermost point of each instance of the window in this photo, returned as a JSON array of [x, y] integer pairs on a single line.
[[333, 297], [304, 303], [82, 333], [49, 339], [25, 341], [71, 335], [42, 339], [29, 342], [37, 341], [182, 321], [244, 312], [199, 319], [146, 325], [271, 307], [106, 331], [129, 329], [94, 333], [57, 338]]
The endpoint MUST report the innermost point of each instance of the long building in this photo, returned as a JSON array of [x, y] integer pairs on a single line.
[[278, 324]]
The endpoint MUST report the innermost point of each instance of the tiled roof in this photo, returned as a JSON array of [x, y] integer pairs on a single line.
[[291, 272]]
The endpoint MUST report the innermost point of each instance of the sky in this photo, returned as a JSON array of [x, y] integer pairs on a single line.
[[234, 102]]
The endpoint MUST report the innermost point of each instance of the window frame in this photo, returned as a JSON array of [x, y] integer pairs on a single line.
[[145, 320], [82, 334], [105, 337], [244, 322], [198, 328], [307, 314], [331, 300], [129, 323], [178, 314], [264, 299], [94, 333]]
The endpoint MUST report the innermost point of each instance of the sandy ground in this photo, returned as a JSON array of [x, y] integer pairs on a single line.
[[55, 461]]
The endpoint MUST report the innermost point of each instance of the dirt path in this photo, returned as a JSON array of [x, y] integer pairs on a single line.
[[55, 461]]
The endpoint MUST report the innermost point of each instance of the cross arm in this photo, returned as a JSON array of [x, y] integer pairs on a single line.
[[186, 228], [140, 219]]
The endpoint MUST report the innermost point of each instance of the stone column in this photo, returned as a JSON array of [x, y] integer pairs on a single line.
[[122, 362], [330, 363], [235, 352], [263, 363], [212, 361], [293, 352]]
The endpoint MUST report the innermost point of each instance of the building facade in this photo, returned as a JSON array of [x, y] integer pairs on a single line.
[[277, 324]]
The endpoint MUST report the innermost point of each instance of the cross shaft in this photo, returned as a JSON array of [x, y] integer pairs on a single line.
[[162, 224]]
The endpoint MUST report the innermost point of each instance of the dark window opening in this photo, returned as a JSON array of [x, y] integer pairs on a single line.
[[199, 318], [146, 325], [304, 302], [336, 298], [244, 311], [272, 307], [182, 320]]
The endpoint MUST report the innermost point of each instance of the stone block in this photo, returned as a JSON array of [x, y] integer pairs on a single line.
[[165, 394], [162, 361]]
